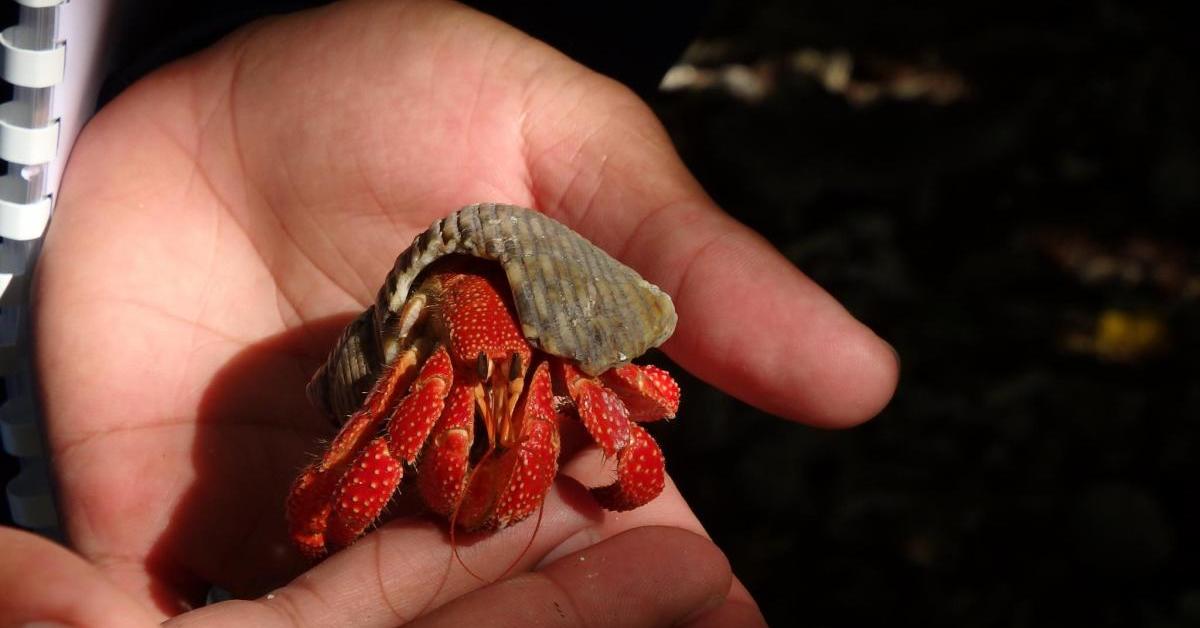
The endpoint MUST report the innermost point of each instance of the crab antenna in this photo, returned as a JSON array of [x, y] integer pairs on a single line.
[[454, 515], [537, 526]]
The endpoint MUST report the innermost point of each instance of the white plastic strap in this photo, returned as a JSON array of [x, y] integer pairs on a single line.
[[31, 68], [24, 145], [24, 221], [20, 220], [34, 57], [39, 4]]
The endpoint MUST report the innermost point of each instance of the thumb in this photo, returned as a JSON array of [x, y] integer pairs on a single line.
[[750, 323], [44, 582], [756, 327]]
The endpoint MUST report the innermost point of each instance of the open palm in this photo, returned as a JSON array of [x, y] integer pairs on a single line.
[[223, 218]]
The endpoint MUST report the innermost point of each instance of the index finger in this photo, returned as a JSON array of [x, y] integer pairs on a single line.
[[750, 322], [406, 569], [649, 576]]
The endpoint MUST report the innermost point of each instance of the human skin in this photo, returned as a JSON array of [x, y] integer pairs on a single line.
[[225, 216]]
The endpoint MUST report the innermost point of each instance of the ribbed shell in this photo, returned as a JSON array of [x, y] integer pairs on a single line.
[[573, 300]]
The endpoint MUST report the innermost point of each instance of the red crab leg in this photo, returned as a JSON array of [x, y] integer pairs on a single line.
[[506, 489], [308, 504], [410, 425], [600, 410], [362, 493], [443, 469], [324, 503], [369, 483], [649, 392], [640, 475]]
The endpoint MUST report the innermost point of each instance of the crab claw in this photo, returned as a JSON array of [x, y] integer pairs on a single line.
[[363, 492], [368, 484], [308, 511], [310, 501], [600, 409], [442, 473], [510, 487], [642, 393], [649, 393], [333, 501], [640, 474]]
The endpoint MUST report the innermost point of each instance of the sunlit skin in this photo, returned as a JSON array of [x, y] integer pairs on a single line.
[[221, 220]]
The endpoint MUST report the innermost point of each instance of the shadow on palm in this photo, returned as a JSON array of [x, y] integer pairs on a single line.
[[255, 430]]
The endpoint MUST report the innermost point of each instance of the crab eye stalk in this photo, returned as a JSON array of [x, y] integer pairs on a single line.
[[514, 367], [483, 366]]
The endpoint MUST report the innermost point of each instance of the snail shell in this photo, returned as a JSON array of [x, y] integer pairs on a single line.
[[573, 300]]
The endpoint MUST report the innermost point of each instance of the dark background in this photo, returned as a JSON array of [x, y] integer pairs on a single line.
[[1011, 199], [1030, 249]]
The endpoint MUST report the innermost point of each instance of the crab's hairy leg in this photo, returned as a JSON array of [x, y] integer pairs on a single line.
[[600, 410], [606, 413], [310, 500], [649, 393], [442, 471], [308, 509], [508, 488], [368, 484], [362, 493], [640, 474], [410, 426]]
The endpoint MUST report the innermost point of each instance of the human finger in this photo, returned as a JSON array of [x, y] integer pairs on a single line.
[[755, 326], [736, 609], [45, 582], [406, 568], [750, 322], [589, 468], [653, 576]]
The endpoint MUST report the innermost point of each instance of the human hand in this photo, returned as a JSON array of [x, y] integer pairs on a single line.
[[223, 218], [658, 576]]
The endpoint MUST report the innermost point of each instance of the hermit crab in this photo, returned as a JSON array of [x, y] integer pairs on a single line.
[[495, 325]]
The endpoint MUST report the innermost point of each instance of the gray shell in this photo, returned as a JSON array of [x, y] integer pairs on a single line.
[[573, 300]]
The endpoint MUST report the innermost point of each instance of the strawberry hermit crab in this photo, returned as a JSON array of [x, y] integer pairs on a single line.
[[494, 325]]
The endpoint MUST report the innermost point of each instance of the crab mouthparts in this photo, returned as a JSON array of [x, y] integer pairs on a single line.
[[501, 382]]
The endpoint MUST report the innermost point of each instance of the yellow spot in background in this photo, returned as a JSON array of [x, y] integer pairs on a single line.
[[1121, 336]]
